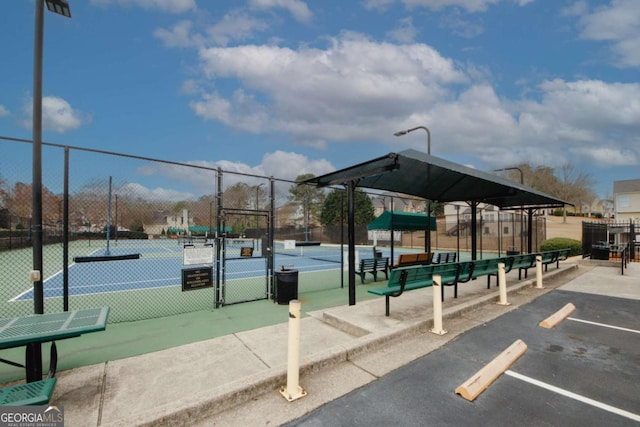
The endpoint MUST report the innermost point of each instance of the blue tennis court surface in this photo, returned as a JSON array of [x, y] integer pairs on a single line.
[[158, 267], [161, 264]]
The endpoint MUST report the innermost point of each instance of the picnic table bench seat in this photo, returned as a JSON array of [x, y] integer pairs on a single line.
[[373, 266], [33, 393]]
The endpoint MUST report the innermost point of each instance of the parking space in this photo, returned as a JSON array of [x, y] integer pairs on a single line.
[[585, 371]]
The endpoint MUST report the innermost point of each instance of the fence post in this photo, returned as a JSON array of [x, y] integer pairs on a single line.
[[293, 391], [502, 284], [437, 306]]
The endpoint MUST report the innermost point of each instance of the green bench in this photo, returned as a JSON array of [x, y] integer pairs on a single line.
[[33, 393], [526, 261], [444, 257], [403, 279], [523, 262], [373, 266], [554, 257], [421, 276], [487, 267]]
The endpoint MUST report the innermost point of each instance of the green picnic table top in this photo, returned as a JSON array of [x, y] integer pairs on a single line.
[[18, 331]]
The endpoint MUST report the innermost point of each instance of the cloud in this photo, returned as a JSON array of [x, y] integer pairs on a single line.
[[468, 5], [318, 94], [234, 26], [461, 26], [3, 111], [406, 32], [179, 35], [285, 166], [574, 120], [618, 24], [357, 89], [57, 115], [590, 105], [171, 6], [297, 8], [136, 190], [609, 156], [577, 8]]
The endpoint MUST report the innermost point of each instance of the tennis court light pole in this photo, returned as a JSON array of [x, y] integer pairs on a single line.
[[60, 7], [427, 239]]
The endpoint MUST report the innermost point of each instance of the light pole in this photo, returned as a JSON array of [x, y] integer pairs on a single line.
[[61, 7], [404, 132], [427, 234]]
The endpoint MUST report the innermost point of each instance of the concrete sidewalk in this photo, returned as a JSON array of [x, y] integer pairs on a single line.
[[234, 379]]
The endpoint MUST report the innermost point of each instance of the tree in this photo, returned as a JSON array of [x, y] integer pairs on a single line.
[[310, 197], [573, 186], [336, 202]]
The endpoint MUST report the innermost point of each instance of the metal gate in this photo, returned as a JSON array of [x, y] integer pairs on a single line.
[[611, 234], [243, 270]]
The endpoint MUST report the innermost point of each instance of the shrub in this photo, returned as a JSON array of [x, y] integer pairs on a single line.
[[562, 243]]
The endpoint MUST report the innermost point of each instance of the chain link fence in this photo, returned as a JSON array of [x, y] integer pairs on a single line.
[[118, 231]]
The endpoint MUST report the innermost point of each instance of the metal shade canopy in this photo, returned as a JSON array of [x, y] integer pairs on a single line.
[[419, 174]]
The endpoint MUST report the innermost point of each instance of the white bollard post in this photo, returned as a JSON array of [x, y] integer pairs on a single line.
[[437, 305], [293, 390], [502, 284], [539, 272]]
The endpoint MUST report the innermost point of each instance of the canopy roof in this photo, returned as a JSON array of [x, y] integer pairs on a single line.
[[419, 174], [402, 221]]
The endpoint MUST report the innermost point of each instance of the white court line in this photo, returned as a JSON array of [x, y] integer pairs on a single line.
[[604, 325], [575, 396]]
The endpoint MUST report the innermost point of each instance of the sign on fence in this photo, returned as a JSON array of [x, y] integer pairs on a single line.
[[197, 278], [194, 255]]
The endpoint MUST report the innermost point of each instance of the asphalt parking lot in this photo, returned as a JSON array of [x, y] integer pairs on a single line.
[[583, 372]]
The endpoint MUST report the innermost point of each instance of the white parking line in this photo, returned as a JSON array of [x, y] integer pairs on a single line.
[[604, 325], [575, 396]]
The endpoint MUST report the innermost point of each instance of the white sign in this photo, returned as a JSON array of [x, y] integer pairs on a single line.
[[289, 244], [192, 255]]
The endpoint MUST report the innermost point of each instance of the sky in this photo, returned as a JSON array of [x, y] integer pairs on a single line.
[[287, 87]]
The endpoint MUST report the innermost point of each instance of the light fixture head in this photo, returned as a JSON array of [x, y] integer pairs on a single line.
[[61, 7]]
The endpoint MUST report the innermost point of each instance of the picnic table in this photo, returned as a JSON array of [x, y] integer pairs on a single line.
[[31, 331]]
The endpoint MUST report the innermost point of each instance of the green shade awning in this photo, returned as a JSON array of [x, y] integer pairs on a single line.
[[402, 221]]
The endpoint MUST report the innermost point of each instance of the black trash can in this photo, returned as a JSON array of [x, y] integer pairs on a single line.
[[286, 286], [600, 252]]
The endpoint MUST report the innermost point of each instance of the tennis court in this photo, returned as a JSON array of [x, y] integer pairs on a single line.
[[151, 286], [161, 262]]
